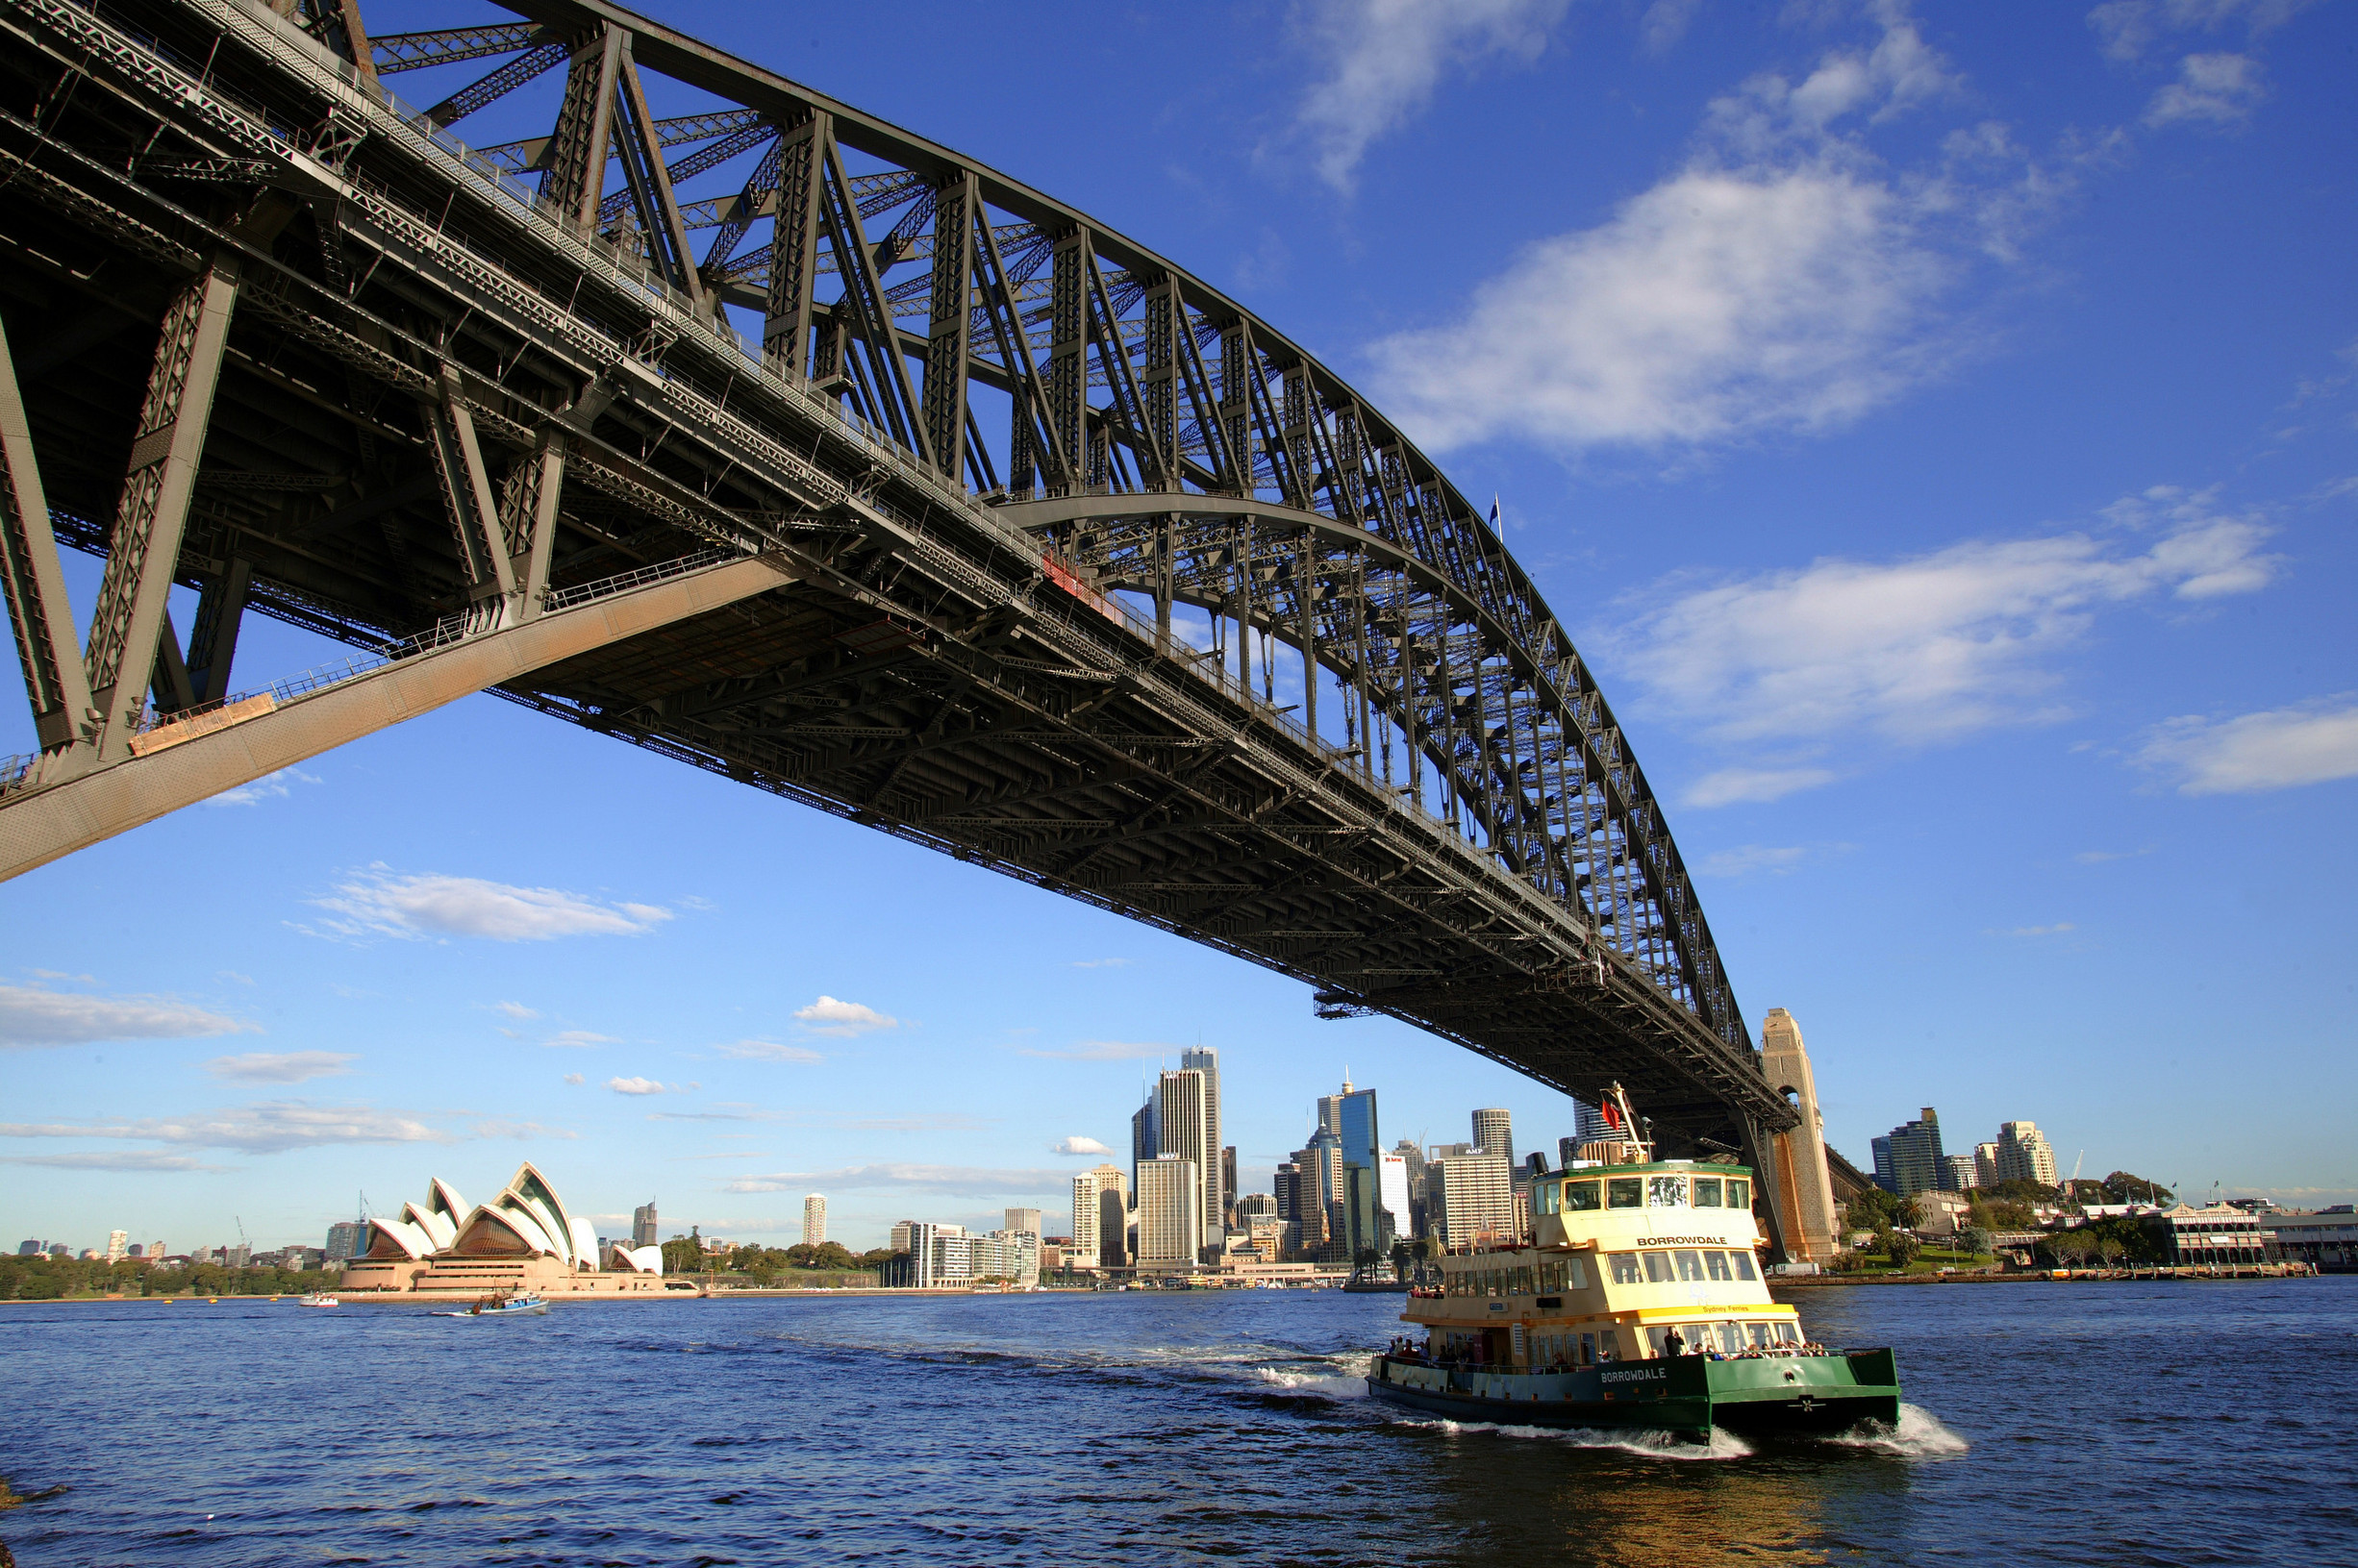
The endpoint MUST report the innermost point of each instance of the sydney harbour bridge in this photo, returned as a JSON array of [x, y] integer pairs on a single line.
[[788, 444]]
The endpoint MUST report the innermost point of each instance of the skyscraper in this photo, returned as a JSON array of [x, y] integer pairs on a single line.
[[116, 1240], [1182, 1115], [1146, 1135], [1361, 1147], [1230, 1192], [1412, 1223], [1391, 1191], [1908, 1159], [1958, 1173], [1100, 1219], [1468, 1193], [1024, 1219], [1493, 1132], [643, 1226], [345, 1239], [814, 1220], [2023, 1155], [1170, 1217], [1985, 1165], [1219, 1192]]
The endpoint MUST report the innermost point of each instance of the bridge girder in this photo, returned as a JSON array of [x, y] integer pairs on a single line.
[[442, 392]]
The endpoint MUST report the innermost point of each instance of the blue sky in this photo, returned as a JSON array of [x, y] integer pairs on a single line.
[[1938, 427]]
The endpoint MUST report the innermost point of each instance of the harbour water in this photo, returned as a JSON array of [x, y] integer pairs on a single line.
[[2173, 1423]]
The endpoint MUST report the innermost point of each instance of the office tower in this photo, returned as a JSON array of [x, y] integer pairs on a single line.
[[1391, 1191], [814, 1220], [1181, 1115], [115, 1242], [1360, 1146], [1493, 1132], [1330, 1108], [644, 1226], [1469, 1193], [1985, 1165], [1024, 1219], [1908, 1158], [1088, 1229], [1958, 1173], [1253, 1206], [1228, 1182], [1219, 1192], [1412, 1223], [1146, 1135], [1113, 1217], [1171, 1213], [30, 1248], [2023, 1155]]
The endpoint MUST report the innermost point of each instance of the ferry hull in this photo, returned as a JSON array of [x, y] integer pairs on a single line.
[[1686, 1394]]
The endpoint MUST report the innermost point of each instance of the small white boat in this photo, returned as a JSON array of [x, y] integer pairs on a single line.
[[320, 1298], [524, 1305]]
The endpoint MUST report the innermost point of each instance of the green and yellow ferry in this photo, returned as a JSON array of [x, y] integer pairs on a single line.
[[1635, 1300]]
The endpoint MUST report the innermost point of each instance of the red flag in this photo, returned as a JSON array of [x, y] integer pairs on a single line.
[[1612, 1114]]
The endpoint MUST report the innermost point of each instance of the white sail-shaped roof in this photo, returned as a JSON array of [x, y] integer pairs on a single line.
[[584, 1242], [553, 1239], [387, 1237], [440, 1230], [491, 1231], [528, 1185], [635, 1261]]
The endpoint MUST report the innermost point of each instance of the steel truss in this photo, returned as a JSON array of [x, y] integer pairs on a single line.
[[333, 365]]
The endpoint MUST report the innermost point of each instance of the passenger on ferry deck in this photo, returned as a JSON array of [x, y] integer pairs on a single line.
[[1673, 1344]]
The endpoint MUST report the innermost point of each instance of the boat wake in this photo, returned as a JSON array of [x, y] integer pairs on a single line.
[[1918, 1435], [1649, 1445], [1329, 1384]]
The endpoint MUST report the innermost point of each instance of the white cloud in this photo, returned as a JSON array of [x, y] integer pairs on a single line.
[[281, 1067], [140, 1160], [2280, 749], [378, 902], [1382, 58], [2216, 90], [270, 786], [1664, 23], [580, 1038], [514, 1009], [637, 1085], [2128, 28], [773, 1051], [968, 1181], [1734, 786], [1738, 862], [1105, 1051], [1924, 650], [843, 1019], [271, 1126], [36, 1015], [1076, 1144], [575, 1078]]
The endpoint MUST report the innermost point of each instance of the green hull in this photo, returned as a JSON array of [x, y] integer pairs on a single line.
[[1688, 1394]]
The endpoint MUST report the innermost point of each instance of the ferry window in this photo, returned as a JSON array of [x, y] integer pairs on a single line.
[[1666, 1192], [1550, 1196], [1575, 1274], [1716, 1265], [1760, 1334], [1744, 1265], [1580, 1196], [1624, 1267], [1731, 1338], [1522, 1282], [1706, 1193], [1656, 1268], [1690, 1264], [1625, 1192], [1738, 1194], [1788, 1333], [1587, 1350]]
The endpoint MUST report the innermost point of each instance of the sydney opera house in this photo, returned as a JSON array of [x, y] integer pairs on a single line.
[[524, 1239]]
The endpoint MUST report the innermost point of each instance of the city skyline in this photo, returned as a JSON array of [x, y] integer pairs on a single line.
[[2067, 494]]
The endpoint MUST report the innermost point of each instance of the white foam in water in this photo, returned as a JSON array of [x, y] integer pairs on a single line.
[[1650, 1445], [1337, 1384], [1920, 1436]]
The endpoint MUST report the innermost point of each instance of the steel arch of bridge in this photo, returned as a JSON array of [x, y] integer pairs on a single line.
[[418, 394]]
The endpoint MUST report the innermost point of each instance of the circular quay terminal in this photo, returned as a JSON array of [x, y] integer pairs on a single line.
[[806, 785]]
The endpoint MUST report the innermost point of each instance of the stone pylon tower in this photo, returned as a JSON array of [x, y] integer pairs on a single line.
[[1800, 1154]]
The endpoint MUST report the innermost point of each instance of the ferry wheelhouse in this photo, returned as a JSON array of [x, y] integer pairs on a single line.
[[1638, 1299]]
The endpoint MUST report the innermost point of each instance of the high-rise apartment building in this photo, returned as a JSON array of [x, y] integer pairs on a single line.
[[2023, 1155], [1959, 1173], [346, 1239], [1469, 1193], [155, 1249], [1183, 1121], [1171, 1213], [1908, 1158], [116, 1241], [1218, 1192], [1493, 1132], [814, 1220], [1100, 1219], [644, 1231]]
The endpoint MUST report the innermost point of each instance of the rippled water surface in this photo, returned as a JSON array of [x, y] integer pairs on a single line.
[[2113, 1424]]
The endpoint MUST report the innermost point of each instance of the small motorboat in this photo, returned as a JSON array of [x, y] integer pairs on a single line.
[[318, 1298], [523, 1304]]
